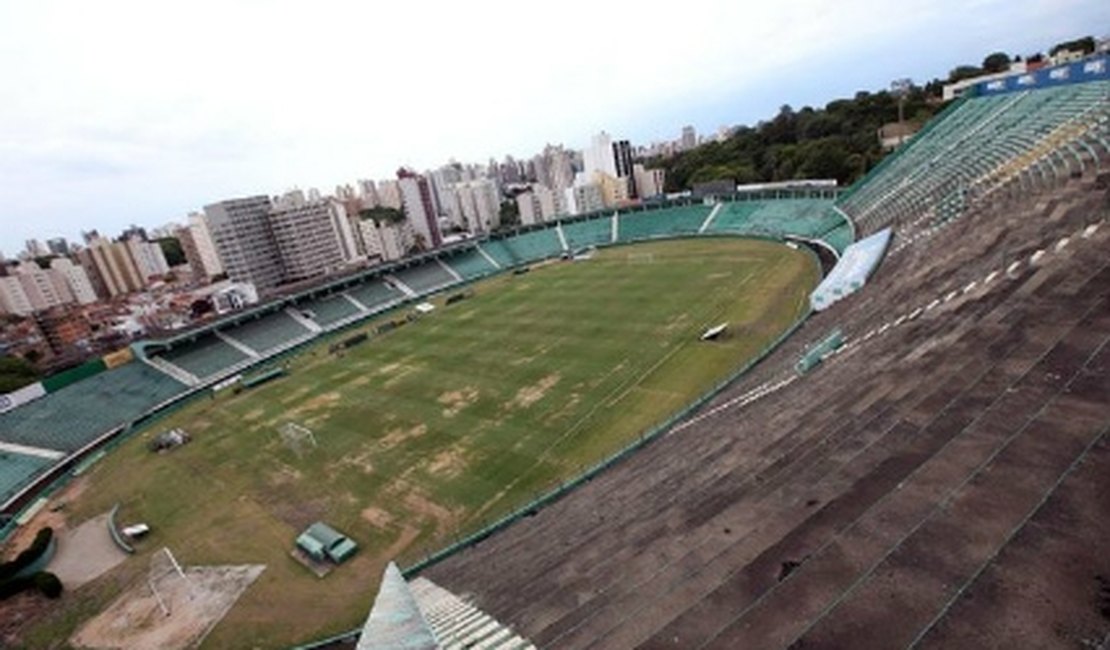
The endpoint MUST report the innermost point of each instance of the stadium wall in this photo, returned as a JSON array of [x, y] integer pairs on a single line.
[[1094, 68]]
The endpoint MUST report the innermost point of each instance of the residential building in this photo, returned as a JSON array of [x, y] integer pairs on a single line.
[[149, 259], [481, 204], [614, 190], [417, 203], [689, 138], [386, 241], [584, 198], [245, 242], [35, 248], [58, 246], [389, 194], [208, 260], [649, 182], [368, 193], [622, 162], [13, 299], [313, 238], [110, 267], [528, 205], [598, 157], [74, 278]]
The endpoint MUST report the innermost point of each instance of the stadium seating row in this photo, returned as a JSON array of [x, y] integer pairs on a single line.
[[426, 277], [204, 358], [268, 333], [591, 232], [665, 222], [16, 470], [982, 143], [74, 416]]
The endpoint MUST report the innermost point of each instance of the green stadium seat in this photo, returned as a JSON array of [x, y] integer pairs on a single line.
[[74, 416], [330, 310], [268, 333], [17, 470], [373, 294], [661, 222], [206, 357], [470, 264], [591, 232], [425, 278]]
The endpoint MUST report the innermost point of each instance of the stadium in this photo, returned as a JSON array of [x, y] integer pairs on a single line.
[[898, 441]]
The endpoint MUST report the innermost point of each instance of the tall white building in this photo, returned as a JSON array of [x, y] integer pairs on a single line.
[[13, 299], [149, 258], [419, 208], [481, 204], [584, 198], [387, 241], [75, 279], [313, 238], [598, 157], [206, 248], [389, 194], [649, 182], [368, 193], [241, 230], [528, 205]]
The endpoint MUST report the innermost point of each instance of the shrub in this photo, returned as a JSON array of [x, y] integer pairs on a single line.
[[48, 584], [29, 554]]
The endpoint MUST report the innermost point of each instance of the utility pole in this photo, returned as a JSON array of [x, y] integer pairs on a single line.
[[901, 88]]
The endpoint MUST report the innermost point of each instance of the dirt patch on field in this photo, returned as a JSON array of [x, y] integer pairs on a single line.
[[254, 415], [320, 402], [136, 620], [422, 506], [377, 517], [399, 435], [300, 393], [456, 400], [529, 395], [285, 475], [84, 553], [361, 461], [448, 463], [408, 535]]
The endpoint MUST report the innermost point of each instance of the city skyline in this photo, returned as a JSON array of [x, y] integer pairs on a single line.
[[94, 136]]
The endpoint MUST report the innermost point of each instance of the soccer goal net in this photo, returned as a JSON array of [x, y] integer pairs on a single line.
[[299, 439]]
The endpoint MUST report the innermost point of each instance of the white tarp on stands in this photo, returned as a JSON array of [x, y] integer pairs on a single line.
[[851, 272], [19, 397]]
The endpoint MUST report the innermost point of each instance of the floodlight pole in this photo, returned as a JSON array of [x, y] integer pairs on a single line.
[[901, 88]]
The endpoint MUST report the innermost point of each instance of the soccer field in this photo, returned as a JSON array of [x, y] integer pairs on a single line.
[[432, 429]]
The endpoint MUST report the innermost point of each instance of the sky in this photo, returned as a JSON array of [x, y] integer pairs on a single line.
[[114, 112]]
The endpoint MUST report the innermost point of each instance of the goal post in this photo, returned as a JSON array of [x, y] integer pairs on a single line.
[[165, 576]]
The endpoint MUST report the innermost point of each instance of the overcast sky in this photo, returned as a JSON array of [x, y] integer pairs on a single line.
[[114, 113]]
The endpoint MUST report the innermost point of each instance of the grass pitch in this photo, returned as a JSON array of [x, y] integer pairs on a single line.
[[433, 429]]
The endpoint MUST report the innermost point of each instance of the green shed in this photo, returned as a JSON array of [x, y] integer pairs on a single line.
[[320, 541]]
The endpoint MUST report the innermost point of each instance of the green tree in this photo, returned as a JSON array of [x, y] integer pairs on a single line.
[[961, 72], [996, 62], [171, 248], [510, 214], [15, 373], [1086, 45], [382, 215]]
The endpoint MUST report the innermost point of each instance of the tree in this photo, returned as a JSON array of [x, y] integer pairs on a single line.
[[959, 73], [15, 373], [510, 214], [996, 62], [1086, 45], [171, 248]]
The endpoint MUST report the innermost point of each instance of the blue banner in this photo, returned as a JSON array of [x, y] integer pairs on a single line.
[[1095, 68]]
